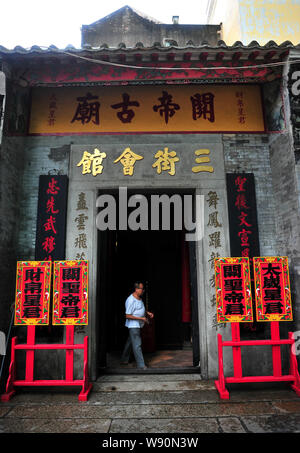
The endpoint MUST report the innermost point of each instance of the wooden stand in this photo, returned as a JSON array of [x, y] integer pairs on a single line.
[[238, 377], [29, 380]]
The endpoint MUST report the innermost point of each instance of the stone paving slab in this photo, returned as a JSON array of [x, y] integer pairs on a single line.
[[250, 424], [141, 410], [4, 410], [230, 425], [168, 425], [54, 426], [287, 406], [273, 423]]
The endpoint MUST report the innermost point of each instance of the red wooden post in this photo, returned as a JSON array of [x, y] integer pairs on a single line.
[[220, 383], [294, 366], [276, 352], [236, 350], [69, 353], [30, 354], [86, 385]]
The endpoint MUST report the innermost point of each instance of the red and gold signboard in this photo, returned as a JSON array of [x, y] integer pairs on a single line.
[[233, 290], [32, 292], [70, 293], [147, 108], [272, 289]]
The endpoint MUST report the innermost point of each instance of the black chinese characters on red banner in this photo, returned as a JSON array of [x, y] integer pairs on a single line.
[[51, 218], [233, 290], [244, 240], [32, 292], [243, 229], [272, 289], [70, 293]]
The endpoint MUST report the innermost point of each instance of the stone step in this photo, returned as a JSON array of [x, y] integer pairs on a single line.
[[148, 383], [59, 397], [149, 377], [154, 386]]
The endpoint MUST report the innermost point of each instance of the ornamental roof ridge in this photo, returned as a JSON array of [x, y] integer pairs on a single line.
[[140, 46]]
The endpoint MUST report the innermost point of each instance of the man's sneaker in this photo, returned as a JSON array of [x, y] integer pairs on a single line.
[[124, 363]]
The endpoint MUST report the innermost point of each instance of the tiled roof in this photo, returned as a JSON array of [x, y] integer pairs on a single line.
[[238, 45]]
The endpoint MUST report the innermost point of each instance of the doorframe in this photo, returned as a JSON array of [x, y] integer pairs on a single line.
[[202, 328]]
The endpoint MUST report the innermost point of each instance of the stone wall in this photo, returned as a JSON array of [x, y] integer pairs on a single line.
[[286, 197], [11, 170]]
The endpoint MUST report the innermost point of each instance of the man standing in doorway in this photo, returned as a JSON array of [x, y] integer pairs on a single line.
[[135, 319]]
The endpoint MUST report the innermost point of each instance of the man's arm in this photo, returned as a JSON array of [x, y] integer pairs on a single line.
[[135, 317]]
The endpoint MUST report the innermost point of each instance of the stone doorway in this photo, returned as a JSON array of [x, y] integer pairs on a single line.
[[154, 257]]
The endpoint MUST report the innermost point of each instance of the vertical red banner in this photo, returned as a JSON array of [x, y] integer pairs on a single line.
[[32, 292], [70, 293], [233, 290], [272, 289], [51, 218]]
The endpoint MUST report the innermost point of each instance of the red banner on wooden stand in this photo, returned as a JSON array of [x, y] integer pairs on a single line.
[[275, 342], [30, 292], [277, 376], [29, 380]]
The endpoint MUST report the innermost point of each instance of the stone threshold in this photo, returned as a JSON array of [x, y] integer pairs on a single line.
[[151, 370]]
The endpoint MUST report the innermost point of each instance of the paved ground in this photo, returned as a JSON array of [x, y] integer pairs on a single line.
[[153, 404]]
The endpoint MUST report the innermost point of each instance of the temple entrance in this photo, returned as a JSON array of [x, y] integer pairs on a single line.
[[157, 259]]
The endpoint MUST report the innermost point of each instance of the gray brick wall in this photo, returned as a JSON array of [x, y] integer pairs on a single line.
[[11, 170], [250, 154], [286, 196]]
